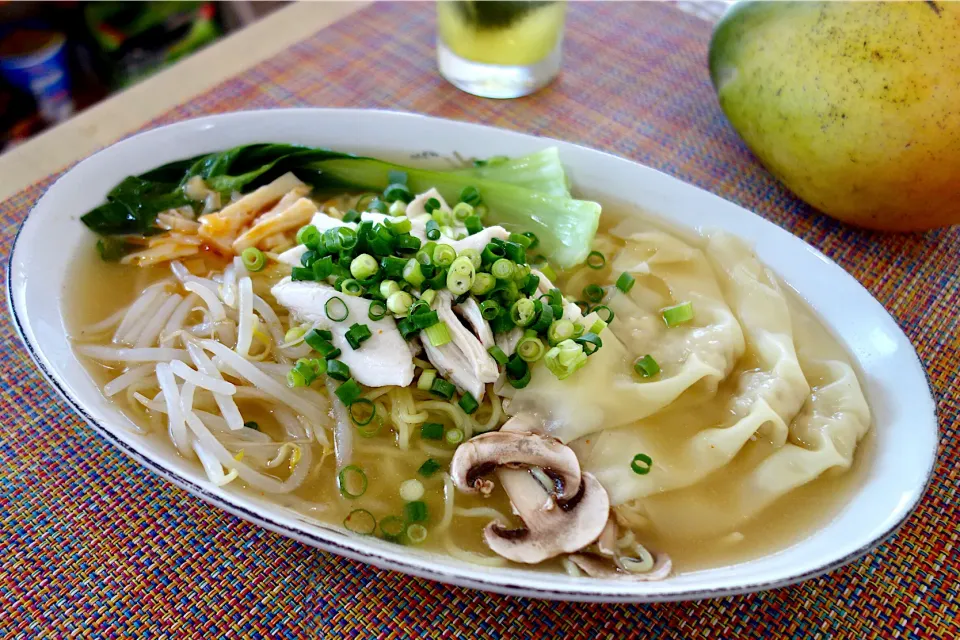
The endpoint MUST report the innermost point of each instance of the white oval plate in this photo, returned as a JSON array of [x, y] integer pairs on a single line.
[[905, 419]]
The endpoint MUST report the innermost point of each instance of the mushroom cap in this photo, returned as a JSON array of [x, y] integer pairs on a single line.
[[487, 452], [548, 530]]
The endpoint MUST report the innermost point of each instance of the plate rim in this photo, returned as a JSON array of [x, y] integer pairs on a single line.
[[323, 537]]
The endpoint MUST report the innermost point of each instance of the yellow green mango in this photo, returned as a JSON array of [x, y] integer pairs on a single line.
[[854, 106]]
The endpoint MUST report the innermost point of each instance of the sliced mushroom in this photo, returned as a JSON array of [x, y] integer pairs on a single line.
[[547, 532], [487, 452], [610, 562], [597, 566], [464, 359]]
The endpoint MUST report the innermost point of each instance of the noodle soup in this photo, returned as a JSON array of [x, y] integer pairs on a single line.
[[650, 420]]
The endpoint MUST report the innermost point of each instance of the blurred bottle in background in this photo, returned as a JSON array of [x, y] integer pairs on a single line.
[[499, 49], [33, 59]]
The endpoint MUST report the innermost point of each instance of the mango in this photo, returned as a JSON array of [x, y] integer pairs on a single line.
[[854, 106]]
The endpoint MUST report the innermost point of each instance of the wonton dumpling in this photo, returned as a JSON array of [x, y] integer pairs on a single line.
[[606, 393], [768, 395], [823, 437]]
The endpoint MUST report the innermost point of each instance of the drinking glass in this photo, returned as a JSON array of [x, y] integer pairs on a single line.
[[499, 49]]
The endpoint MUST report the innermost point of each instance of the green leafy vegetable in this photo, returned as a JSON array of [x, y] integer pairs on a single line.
[[525, 194]]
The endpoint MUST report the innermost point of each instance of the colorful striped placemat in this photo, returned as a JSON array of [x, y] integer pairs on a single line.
[[93, 545]]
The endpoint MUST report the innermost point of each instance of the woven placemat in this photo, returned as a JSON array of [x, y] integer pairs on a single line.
[[91, 543]]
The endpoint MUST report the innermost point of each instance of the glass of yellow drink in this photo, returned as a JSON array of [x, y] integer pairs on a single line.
[[499, 49]]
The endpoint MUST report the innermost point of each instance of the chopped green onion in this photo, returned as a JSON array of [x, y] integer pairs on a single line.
[[596, 260], [338, 371], [442, 388], [411, 490], [625, 282], [593, 292], [565, 359], [470, 195], [520, 239], [350, 287], [502, 269], [253, 259], [356, 334], [590, 343], [296, 379], [489, 308], [294, 333], [429, 296], [460, 283], [547, 271], [425, 382], [323, 268], [641, 464], [597, 327], [388, 287], [473, 224], [363, 266], [578, 330], [646, 366], [399, 303], [416, 511], [352, 482], [518, 372], [530, 348], [523, 312], [395, 176], [433, 230], [360, 521], [412, 272], [406, 242], [431, 205], [318, 343], [398, 227], [515, 252], [545, 319], [497, 354], [559, 331], [534, 240], [362, 412], [530, 284], [431, 431], [472, 255], [416, 533], [444, 255], [348, 238], [462, 211], [309, 236], [491, 253], [407, 329], [336, 309], [252, 425], [454, 436], [378, 206], [604, 312], [678, 314], [481, 210], [392, 528], [397, 192], [468, 403], [429, 468], [349, 392], [397, 208], [393, 267], [425, 319], [483, 283], [438, 334], [352, 215], [301, 274]]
